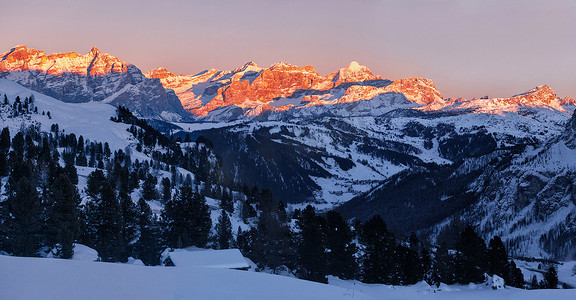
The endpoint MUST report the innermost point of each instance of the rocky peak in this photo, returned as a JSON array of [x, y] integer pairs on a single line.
[[160, 73], [94, 51], [568, 101], [417, 89], [537, 96], [354, 72], [249, 66]]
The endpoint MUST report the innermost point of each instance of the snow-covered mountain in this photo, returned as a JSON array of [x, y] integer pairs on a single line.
[[251, 91], [95, 76], [351, 139]]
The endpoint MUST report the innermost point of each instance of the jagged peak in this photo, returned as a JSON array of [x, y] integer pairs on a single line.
[[94, 51], [539, 89], [249, 66], [19, 47], [159, 72]]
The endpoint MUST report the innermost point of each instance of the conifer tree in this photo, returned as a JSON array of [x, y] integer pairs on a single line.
[[187, 219], [149, 188], [25, 224], [550, 279], [340, 249], [148, 246], [63, 216], [378, 259], [109, 227], [223, 231], [166, 189], [18, 145], [474, 256], [497, 257], [226, 202], [311, 256], [5, 140], [129, 224]]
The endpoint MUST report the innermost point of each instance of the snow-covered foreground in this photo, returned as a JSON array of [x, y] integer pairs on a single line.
[[44, 278], [467, 292]]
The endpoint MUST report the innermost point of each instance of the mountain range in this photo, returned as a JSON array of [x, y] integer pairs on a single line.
[[355, 140]]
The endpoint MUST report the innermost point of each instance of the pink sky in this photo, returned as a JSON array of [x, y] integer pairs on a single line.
[[470, 48]]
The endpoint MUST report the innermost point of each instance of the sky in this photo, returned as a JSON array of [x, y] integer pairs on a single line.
[[470, 48]]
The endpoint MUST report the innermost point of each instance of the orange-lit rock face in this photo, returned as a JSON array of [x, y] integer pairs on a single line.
[[94, 63], [251, 86], [419, 90], [568, 101], [540, 95]]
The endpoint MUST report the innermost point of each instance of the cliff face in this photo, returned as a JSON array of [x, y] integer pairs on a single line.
[[283, 86]]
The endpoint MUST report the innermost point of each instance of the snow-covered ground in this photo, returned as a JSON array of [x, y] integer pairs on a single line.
[[46, 278]]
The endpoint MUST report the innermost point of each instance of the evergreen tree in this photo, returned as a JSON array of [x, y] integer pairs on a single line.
[[71, 172], [109, 228], [25, 224], [4, 166], [149, 188], [223, 231], [63, 216], [187, 219], [550, 279], [18, 145], [94, 183], [148, 247], [226, 202], [311, 255], [378, 259], [340, 249], [497, 257], [474, 257], [5, 140], [166, 189], [130, 224]]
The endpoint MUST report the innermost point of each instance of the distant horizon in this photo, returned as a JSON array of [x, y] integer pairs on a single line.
[[468, 48]]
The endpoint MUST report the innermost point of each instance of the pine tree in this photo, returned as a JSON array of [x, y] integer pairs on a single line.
[[226, 202], [378, 258], [550, 279], [94, 183], [18, 145], [4, 166], [166, 189], [63, 216], [187, 219], [109, 227], [26, 222], [497, 257], [5, 140], [340, 249], [223, 231], [71, 172], [149, 188], [148, 246], [311, 255], [129, 224], [474, 256]]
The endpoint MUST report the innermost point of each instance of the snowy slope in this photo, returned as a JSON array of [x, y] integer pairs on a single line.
[[43, 278], [91, 120]]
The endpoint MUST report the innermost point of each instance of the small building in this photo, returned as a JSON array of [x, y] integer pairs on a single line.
[[193, 257]]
